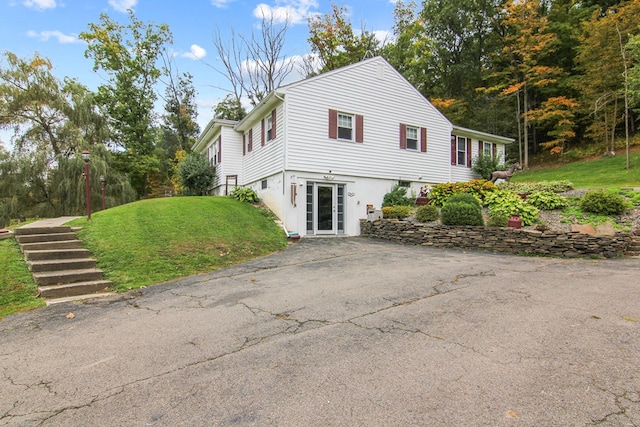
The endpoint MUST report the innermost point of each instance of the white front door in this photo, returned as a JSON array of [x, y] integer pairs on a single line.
[[325, 208]]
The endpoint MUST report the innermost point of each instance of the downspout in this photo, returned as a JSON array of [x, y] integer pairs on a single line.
[[284, 155]]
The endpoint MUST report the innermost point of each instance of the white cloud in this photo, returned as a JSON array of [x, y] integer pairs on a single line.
[[123, 5], [40, 4], [46, 35], [221, 3], [293, 11], [195, 52]]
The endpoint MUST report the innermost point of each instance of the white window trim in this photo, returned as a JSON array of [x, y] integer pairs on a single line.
[[459, 140], [416, 139], [352, 117]]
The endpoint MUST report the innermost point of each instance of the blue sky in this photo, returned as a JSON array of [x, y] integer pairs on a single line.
[[51, 28]]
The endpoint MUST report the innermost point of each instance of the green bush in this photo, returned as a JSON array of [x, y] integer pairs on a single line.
[[427, 213], [399, 212], [498, 219], [478, 187], [531, 187], [460, 213], [397, 197], [546, 200], [244, 195], [503, 203], [484, 165], [464, 198], [603, 202]]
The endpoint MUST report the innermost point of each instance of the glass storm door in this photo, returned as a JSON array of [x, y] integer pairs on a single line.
[[325, 208]]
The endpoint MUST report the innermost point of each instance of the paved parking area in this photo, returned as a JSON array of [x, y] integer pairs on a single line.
[[340, 332]]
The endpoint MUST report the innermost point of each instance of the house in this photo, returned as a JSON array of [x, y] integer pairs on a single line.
[[322, 152]]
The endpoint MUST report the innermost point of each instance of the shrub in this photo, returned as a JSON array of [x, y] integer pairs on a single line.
[[547, 201], [498, 219], [504, 203], [397, 197], [460, 213], [464, 198], [399, 212], [427, 213], [478, 187], [244, 195], [484, 165], [531, 187], [603, 202]]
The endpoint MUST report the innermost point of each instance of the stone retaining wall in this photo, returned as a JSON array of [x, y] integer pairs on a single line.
[[498, 239]]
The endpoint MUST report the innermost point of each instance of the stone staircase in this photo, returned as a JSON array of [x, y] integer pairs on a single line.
[[61, 267]]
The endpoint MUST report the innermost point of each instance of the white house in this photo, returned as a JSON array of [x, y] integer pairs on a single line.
[[322, 151]]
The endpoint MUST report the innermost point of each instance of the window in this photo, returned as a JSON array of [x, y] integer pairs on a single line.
[[270, 135], [264, 184], [404, 184], [487, 149], [461, 151], [409, 137], [345, 126], [412, 138]]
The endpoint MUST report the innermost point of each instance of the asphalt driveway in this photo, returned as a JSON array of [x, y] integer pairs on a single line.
[[340, 332]]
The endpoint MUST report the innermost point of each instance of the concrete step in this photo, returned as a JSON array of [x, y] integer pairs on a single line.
[[61, 264], [49, 237], [23, 231], [74, 289], [67, 276], [60, 300], [42, 255], [44, 246]]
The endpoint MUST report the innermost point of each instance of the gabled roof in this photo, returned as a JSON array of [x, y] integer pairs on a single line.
[[377, 59], [482, 136], [210, 130]]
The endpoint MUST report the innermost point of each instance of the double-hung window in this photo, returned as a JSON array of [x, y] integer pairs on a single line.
[[269, 127], [412, 138], [345, 126], [461, 151]]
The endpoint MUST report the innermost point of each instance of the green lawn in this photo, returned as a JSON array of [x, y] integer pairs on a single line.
[[156, 240], [609, 172], [17, 288]]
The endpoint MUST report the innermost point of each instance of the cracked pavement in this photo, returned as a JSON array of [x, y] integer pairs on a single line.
[[340, 332]]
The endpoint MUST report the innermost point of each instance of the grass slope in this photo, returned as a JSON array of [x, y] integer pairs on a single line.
[[156, 240], [609, 172], [17, 289]]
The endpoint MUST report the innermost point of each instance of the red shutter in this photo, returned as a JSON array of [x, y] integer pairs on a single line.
[[333, 124], [494, 149], [250, 139], [454, 157], [244, 145], [423, 140], [468, 152], [359, 128], [219, 148], [480, 150], [403, 136], [273, 124], [262, 135]]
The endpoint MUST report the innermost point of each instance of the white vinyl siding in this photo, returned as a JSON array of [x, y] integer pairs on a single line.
[[367, 88]]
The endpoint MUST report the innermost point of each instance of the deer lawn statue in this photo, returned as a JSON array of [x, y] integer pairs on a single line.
[[506, 175]]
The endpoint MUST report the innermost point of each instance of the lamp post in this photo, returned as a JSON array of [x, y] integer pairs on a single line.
[[86, 157], [102, 189]]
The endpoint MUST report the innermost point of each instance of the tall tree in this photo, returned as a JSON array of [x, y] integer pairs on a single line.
[[129, 56], [333, 40], [410, 50], [602, 69], [229, 108], [459, 31], [254, 65]]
